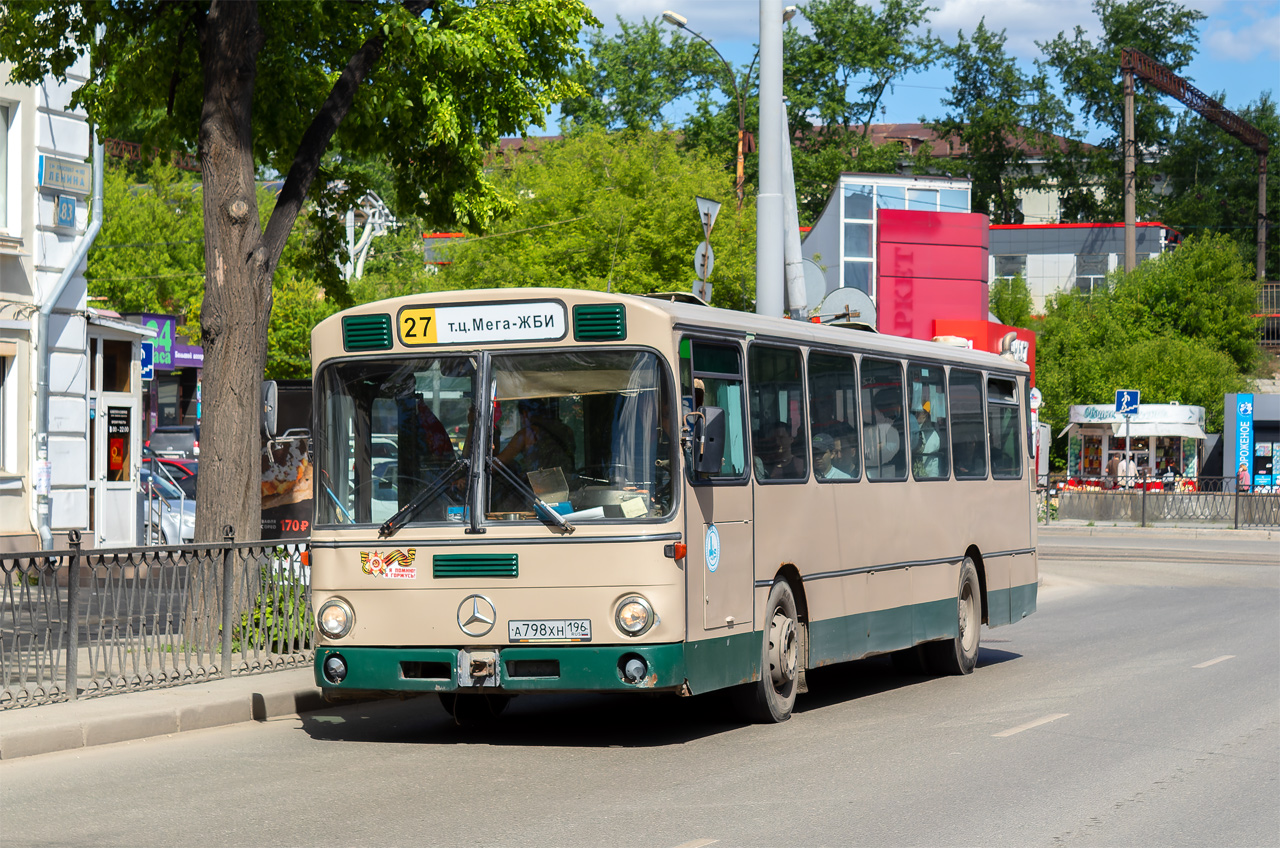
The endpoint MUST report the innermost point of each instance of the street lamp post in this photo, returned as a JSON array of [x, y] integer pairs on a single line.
[[683, 23]]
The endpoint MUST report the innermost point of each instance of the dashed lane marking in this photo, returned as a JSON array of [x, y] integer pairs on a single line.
[[698, 843], [1215, 661], [1031, 724]]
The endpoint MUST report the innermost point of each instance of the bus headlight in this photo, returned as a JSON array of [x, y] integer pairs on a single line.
[[634, 615], [335, 618]]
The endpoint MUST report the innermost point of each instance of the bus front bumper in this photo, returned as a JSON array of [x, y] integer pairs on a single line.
[[510, 669]]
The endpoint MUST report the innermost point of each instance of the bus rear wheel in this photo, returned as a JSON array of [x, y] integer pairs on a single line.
[[959, 655], [772, 698]]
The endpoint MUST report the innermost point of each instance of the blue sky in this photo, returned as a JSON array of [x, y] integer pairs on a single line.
[[1239, 49]]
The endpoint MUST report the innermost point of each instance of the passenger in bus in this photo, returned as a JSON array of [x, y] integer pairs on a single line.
[[775, 459], [883, 438], [824, 453], [542, 441], [926, 444], [826, 423]]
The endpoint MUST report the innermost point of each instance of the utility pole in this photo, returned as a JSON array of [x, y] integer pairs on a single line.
[[1130, 178]]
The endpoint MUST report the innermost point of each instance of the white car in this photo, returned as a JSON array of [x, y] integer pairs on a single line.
[[165, 515]]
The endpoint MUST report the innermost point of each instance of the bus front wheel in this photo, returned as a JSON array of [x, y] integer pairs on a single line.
[[773, 696], [960, 654]]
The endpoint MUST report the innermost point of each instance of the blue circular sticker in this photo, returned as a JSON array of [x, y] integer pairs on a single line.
[[713, 547]]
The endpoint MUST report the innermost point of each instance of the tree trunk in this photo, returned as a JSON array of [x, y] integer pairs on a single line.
[[238, 271]]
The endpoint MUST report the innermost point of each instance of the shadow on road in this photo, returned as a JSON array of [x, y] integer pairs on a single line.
[[597, 721]]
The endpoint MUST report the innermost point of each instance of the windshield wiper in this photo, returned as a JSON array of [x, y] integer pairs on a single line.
[[426, 496], [542, 509]]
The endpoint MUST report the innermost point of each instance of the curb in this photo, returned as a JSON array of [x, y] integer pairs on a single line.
[[129, 716], [1250, 534]]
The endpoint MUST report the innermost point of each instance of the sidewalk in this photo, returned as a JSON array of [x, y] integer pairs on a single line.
[[27, 731], [1077, 527]]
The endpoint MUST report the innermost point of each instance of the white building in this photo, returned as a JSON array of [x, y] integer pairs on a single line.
[[93, 377]]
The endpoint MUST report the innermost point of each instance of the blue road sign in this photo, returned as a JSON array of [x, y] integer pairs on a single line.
[[1126, 401], [148, 366]]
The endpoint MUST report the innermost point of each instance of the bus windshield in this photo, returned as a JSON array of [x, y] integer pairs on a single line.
[[586, 432]]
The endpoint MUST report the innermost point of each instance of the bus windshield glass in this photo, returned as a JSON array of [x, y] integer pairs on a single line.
[[588, 431], [390, 430]]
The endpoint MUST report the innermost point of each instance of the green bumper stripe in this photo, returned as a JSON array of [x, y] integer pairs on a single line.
[[706, 665]]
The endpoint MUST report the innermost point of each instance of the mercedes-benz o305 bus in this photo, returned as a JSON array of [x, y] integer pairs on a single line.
[[547, 490]]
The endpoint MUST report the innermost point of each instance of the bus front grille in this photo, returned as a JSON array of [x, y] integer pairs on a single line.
[[475, 565]]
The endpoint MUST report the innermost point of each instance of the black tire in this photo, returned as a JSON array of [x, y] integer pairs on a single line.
[[467, 708], [772, 698], [960, 654]]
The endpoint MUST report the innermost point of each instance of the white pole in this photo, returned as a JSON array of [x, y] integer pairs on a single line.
[[769, 227]]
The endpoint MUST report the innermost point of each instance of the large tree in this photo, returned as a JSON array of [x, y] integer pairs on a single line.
[[1003, 117], [1090, 178], [1178, 328], [428, 84], [635, 75]]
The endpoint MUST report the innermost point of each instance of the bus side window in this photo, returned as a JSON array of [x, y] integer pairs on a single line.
[[777, 404], [1003, 428], [968, 432], [930, 458], [884, 437], [711, 375], [833, 401]]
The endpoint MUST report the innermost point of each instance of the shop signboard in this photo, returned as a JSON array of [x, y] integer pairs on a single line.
[[168, 352], [1244, 433]]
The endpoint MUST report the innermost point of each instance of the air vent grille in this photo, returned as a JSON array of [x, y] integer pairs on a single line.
[[475, 565], [599, 322], [366, 332]]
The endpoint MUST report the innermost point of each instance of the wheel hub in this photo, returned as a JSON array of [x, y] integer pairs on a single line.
[[782, 650]]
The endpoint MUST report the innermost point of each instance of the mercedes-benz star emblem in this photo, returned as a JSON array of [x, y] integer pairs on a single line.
[[476, 615]]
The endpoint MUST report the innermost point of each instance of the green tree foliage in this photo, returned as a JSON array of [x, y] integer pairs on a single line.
[[1010, 301], [841, 73], [634, 75], [1089, 71], [1213, 180], [1002, 117], [430, 85], [1179, 328], [612, 210], [149, 256]]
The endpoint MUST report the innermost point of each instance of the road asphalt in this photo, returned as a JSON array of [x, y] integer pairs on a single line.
[[28, 731]]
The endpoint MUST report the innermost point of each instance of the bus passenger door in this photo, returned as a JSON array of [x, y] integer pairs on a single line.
[[718, 512]]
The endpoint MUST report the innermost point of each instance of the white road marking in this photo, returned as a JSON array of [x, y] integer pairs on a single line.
[[698, 843], [1031, 724], [1215, 661]]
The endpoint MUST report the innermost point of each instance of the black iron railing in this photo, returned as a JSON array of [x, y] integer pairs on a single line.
[[78, 623], [1214, 501]]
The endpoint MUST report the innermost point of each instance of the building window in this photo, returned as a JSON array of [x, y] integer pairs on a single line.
[[860, 201], [1091, 272], [4, 166], [1008, 267]]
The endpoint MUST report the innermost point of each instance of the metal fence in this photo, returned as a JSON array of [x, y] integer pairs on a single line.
[[80, 623], [1211, 501]]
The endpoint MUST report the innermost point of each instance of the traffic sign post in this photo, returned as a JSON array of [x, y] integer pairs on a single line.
[[1127, 405], [704, 258], [148, 361]]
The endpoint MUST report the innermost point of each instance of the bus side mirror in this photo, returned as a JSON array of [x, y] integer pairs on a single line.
[[707, 430], [269, 403]]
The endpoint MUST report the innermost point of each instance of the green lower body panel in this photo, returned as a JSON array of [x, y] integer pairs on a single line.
[[562, 668]]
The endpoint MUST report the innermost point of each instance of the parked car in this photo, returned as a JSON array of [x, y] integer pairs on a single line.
[[176, 440], [165, 515], [180, 472]]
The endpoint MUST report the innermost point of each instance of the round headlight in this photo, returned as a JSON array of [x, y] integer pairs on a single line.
[[634, 615], [335, 618]]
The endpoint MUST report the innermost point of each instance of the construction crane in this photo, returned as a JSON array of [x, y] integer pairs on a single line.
[[1136, 63]]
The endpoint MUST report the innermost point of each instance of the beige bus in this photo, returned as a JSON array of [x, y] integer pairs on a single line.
[[551, 490]]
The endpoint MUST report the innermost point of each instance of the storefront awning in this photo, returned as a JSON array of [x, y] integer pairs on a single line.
[[1158, 428]]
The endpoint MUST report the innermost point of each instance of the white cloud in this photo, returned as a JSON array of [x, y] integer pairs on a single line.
[[1025, 21], [1244, 41]]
